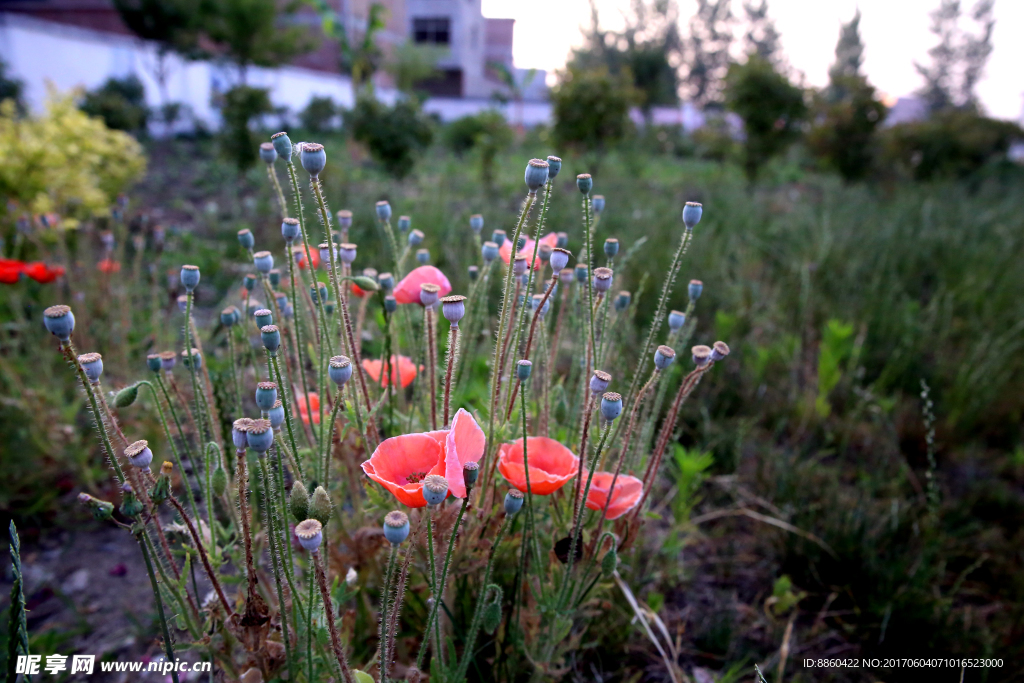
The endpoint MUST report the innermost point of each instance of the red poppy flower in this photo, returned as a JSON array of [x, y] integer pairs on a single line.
[[313, 254], [405, 370], [314, 406], [627, 493], [408, 290], [402, 462], [42, 273], [357, 291], [109, 266], [550, 239], [463, 443], [10, 271], [551, 464]]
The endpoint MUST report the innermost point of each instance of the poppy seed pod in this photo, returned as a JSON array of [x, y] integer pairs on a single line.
[[562, 240], [189, 277], [168, 359], [195, 357], [611, 247], [266, 395], [567, 276], [554, 166], [340, 370], [347, 252], [474, 273], [239, 428], [290, 229], [470, 473], [92, 363], [435, 489], [259, 436], [599, 382], [559, 259], [264, 261], [719, 351], [246, 239], [423, 256], [513, 501], [325, 253], [271, 338], [396, 527], [694, 289], [476, 223], [415, 238], [622, 300], [611, 405], [522, 243], [383, 210], [139, 455], [386, 281], [602, 279], [310, 534], [523, 370], [499, 237], [581, 272], [267, 152], [454, 309], [183, 303], [701, 355], [664, 356], [345, 219], [691, 214], [585, 183], [489, 251], [428, 293], [404, 223], [276, 415], [597, 203], [520, 265], [263, 317], [283, 145], [676, 320], [544, 252], [249, 282], [153, 362], [536, 174], [275, 277], [313, 158], [390, 303], [229, 316]]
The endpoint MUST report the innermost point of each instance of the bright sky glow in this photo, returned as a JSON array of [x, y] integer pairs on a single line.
[[895, 33]]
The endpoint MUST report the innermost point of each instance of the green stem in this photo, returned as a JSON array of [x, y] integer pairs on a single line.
[[385, 597], [474, 628], [579, 518], [287, 410], [168, 647], [234, 371], [590, 274], [268, 501], [174, 451]]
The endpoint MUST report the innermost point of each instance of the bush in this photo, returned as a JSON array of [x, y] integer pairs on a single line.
[[11, 88], [951, 144], [120, 102], [592, 109], [240, 106], [394, 135], [843, 137], [487, 132], [319, 115]]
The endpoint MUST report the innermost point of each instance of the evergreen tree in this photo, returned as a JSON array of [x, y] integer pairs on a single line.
[[959, 58], [707, 51], [849, 50]]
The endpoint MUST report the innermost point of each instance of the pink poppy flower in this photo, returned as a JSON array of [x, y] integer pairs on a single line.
[[408, 290], [550, 239]]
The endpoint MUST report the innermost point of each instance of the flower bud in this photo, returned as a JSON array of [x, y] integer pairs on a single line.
[[189, 359], [585, 183], [694, 289], [219, 481], [189, 277], [283, 146], [259, 435], [701, 355], [602, 279], [383, 210], [340, 370], [101, 510], [264, 261], [396, 527], [559, 259], [664, 356], [554, 166], [599, 382], [92, 364], [523, 370], [290, 229], [404, 223], [313, 158], [470, 473], [428, 294], [390, 303], [276, 415], [622, 300], [239, 428], [611, 405], [267, 152], [298, 502], [691, 214], [271, 338], [719, 351], [423, 256], [611, 247], [266, 395], [161, 490], [499, 237], [519, 265], [513, 501], [536, 174], [153, 362], [454, 309], [139, 455], [597, 203], [130, 504], [127, 396], [676, 320], [320, 506], [581, 272], [476, 223], [310, 534], [474, 273], [263, 317], [435, 489], [246, 239], [489, 251], [415, 238]]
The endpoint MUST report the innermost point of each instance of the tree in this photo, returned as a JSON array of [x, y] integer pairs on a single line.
[[761, 38], [120, 102], [254, 32], [487, 132], [394, 135], [359, 56], [591, 109], [771, 107], [706, 51], [959, 58], [849, 50]]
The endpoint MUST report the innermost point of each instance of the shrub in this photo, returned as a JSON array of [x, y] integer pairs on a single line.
[[120, 102], [591, 109], [843, 137], [487, 132], [319, 115], [239, 107], [394, 135]]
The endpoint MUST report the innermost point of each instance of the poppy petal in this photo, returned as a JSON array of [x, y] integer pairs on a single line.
[[401, 457], [551, 464], [464, 443], [408, 290], [627, 493]]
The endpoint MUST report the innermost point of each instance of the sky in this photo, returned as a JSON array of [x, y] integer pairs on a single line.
[[895, 34]]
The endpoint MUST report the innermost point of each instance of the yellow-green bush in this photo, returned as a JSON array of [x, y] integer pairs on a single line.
[[64, 161]]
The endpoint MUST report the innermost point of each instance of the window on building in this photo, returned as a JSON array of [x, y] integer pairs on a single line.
[[432, 30]]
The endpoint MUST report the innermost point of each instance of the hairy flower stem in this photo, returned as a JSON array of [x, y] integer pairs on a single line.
[[577, 528], [433, 630], [71, 355], [531, 529], [301, 365], [272, 172], [453, 350], [234, 372], [428, 331], [589, 239], [203, 432], [242, 477], [588, 411], [387, 363], [168, 646], [339, 404], [202, 554], [496, 369], [529, 339], [395, 612], [275, 369], [478, 611], [170, 442], [384, 658], [559, 324], [325, 595], [309, 259], [188, 608], [276, 560]]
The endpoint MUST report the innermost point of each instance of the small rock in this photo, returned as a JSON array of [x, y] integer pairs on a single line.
[[77, 582]]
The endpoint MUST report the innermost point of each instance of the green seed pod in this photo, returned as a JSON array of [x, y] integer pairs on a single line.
[[101, 509], [126, 396], [298, 502], [130, 505], [220, 481], [320, 506], [492, 616], [609, 563]]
